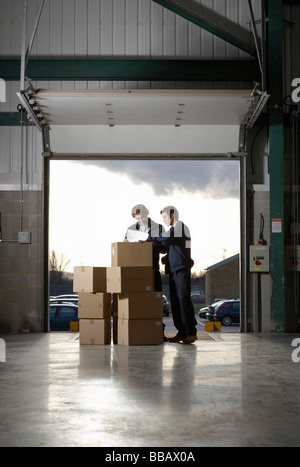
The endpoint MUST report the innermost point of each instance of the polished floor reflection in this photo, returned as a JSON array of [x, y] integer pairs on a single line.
[[231, 390]]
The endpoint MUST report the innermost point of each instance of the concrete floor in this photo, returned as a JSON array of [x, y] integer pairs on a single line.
[[228, 390]]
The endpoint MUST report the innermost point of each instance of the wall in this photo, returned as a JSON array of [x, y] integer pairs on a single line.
[[21, 265], [223, 280]]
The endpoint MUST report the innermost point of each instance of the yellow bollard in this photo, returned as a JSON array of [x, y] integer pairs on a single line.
[[212, 326], [74, 326]]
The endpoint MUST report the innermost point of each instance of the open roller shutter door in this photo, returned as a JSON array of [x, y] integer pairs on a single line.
[[128, 122]]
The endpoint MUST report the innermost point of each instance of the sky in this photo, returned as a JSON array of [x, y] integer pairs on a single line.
[[91, 201]]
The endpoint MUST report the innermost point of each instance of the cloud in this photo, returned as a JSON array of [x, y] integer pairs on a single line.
[[213, 179]]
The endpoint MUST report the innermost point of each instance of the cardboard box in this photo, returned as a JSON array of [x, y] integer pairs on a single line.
[[95, 331], [130, 279], [89, 279], [140, 332], [94, 305], [140, 305], [131, 254]]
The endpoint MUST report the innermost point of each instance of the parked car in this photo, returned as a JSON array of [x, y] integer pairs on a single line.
[[228, 312], [211, 311], [68, 298], [166, 306], [61, 314], [202, 312], [225, 311], [197, 298]]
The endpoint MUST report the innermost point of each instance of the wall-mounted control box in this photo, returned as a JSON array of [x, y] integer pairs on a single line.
[[259, 258], [292, 258], [24, 237]]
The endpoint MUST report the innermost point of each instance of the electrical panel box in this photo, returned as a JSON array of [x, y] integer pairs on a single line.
[[259, 258], [24, 237], [292, 258]]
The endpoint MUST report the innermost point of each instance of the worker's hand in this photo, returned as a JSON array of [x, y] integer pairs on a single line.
[[125, 240]]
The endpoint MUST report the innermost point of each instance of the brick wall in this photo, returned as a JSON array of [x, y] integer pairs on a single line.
[[21, 269]]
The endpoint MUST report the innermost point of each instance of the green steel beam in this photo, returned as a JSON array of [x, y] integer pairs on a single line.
[[132, 70], [9, 118], [276, 164], [13, 119], [203, 23]]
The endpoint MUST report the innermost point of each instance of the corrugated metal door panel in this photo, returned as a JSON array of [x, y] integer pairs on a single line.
[[68, 27], [55, 16], [5, 28], [32, 8], [243, 20], [194, 39], [16, 27], [118, 27], [43, 32], [5, 158], [181, 37], [106, 31], [169, 33], [232, 8], [15, 150], [93, 32], [131, 28], [144, 28], [156, 32], [219, 46], [81, 27]]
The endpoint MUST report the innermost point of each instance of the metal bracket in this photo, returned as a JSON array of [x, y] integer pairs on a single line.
[[26, 52], [46, 139], [25, 102]]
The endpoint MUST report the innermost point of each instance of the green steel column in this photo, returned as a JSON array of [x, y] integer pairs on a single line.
[[276, 164]]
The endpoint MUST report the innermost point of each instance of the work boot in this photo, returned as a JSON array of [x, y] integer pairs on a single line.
[[176, 338], [189, 339]]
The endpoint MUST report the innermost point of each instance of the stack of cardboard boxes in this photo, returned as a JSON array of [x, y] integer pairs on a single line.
[[94, 304], [137, 308]]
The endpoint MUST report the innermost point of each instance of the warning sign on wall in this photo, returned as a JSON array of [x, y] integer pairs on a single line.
[[276, 225]]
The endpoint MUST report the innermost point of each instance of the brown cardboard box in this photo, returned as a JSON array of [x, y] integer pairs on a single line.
[[140, 332], [131, 254], [95, 331], [140, 305], [130, 279], [89, 279], [94, 305]]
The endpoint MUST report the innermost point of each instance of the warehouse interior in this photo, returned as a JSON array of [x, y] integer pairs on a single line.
[[151, 80]]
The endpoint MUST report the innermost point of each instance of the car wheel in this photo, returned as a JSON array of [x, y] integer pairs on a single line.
[[227, 321]]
